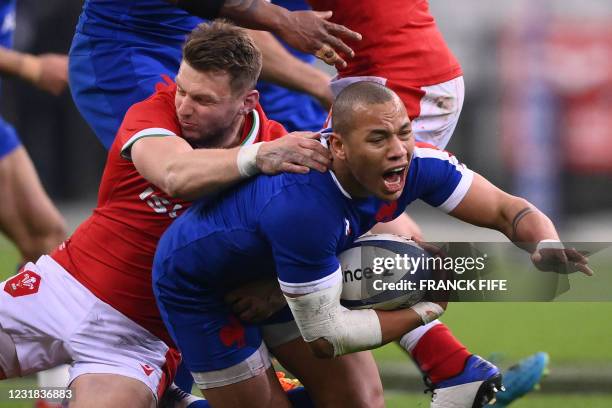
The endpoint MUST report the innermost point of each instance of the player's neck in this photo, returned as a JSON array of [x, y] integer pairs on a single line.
[[235, 131], [348, 182], [227, 138]]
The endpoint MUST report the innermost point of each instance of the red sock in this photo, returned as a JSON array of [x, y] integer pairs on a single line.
[[439, 354]]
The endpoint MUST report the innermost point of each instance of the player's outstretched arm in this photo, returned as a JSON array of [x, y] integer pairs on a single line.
[[282, 68], [307, 31], [487, 206], [181, 171], [48, 72]]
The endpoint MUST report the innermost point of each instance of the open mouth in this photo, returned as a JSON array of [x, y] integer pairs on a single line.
[[394, 178]]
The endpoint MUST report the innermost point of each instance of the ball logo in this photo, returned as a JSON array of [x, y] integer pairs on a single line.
[[23, 284]]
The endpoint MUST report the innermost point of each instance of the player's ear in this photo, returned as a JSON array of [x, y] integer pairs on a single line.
[[250, 101], [337, 146]]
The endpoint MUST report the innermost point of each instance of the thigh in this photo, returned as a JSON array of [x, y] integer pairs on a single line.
[[351, 380], [110, 391], [27, 215], [9, 365], [108, 342], [263, 390]]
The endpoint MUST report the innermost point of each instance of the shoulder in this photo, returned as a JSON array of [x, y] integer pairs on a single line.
[[155, 116], [269, 129], [430, 160], [304, 196], [427, 151]]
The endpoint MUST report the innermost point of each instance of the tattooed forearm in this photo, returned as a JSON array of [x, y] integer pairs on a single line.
[[519, 216]]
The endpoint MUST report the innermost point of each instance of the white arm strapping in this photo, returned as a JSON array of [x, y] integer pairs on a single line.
[[549, 244], [428, 311], [320, 315], [247, 160]]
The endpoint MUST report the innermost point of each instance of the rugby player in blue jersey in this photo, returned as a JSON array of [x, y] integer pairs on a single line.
[[292, 227]]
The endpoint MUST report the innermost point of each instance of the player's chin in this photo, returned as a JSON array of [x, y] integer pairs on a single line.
[[386, 195], [192, 135]]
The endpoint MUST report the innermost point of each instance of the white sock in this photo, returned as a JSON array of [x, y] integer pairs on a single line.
[[410, 339]]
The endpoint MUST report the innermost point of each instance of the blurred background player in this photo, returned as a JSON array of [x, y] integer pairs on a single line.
[[27, 215]]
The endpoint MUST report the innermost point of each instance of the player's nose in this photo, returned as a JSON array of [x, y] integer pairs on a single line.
[[397, 148], [184, 107]]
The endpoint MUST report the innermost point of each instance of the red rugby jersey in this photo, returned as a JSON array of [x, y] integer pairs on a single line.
[[401, 43]]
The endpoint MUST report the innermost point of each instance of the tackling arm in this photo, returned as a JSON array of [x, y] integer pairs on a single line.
[[307, 31], [282, 68], [181, 171]]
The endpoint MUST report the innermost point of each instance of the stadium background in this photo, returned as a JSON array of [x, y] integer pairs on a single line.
[[536, 121]]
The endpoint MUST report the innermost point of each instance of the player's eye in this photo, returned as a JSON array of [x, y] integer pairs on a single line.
[[376, 138], [405, 135]]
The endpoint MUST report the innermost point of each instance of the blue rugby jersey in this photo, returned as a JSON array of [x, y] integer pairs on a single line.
[[290, 225]]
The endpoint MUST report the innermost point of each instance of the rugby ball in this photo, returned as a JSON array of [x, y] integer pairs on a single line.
[[377, 271]]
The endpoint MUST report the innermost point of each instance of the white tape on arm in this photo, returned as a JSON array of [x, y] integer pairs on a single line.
[[247, 160], [320, 315], [550, 244], [428, 311]]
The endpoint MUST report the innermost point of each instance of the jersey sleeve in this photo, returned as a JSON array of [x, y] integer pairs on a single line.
[[303, 230], [155, 116], [443, 179]]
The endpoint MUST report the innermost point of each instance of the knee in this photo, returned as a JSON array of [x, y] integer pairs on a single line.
[[370, 395], [366, 395], [9, 363]]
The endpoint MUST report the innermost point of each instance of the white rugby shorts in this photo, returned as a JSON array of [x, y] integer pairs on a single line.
[[53, 319]]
